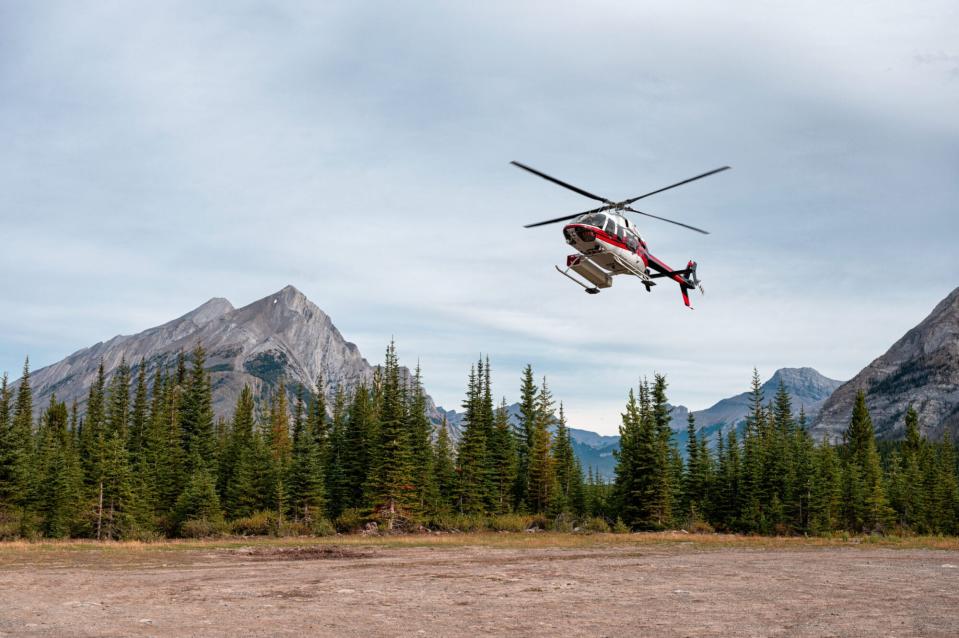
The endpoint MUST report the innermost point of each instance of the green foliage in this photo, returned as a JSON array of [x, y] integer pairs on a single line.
[[147, 459]]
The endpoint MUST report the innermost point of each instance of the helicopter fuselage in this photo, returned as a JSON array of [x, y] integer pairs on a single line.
[[609, 245]]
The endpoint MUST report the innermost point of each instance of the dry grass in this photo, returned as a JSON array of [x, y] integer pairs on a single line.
[[12, 552]]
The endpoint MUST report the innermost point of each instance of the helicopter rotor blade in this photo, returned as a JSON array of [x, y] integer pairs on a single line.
[[698, 230], [565, 217], [561, 183], [685, 181]]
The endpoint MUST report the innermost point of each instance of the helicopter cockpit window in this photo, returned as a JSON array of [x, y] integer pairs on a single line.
[[597, 220], [610, 226]]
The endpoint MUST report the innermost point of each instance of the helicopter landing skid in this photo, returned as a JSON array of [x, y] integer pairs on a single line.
[[590, 290]]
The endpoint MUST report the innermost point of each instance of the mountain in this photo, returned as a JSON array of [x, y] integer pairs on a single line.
[[921, 369], [282, 336], [807, 388]]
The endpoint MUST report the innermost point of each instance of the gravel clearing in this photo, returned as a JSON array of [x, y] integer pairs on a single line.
[[660, 590]]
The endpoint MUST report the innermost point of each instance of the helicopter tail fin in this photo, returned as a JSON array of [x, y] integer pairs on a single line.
[[690, 281]]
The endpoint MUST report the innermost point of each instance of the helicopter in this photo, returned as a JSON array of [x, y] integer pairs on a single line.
[[609, 244]]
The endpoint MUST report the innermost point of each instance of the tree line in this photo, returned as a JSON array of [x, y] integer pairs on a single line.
[[774, 479], [149, 459]]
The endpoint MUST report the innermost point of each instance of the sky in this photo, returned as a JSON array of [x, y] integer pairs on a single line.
[[155, 155]]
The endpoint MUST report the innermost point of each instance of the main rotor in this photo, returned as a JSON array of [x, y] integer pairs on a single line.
[[608, 204]]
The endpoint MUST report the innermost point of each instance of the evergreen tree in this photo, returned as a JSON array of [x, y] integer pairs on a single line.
[[198, 501], [444, 468], [630, 484], [17, 472], [139, 416], [753, 496], [503, 459], [660, 493], [355, 455], [392, 491], [421, 443], [826, 502], [59, 495], [868, 508], [304, 483], [338, 488], [529, 394], [196, 415], [569, 477], [241, 494], [542, 475], [472, 463]]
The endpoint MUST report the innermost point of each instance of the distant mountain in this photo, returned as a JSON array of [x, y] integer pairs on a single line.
[[921, 369], [807, 389], [282, 336]]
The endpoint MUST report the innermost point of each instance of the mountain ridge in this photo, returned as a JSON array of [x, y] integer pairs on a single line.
[[282, 335], [920, 369]]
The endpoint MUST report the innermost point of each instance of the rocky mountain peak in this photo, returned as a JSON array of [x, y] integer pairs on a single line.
[[920, 369], [281, 337]]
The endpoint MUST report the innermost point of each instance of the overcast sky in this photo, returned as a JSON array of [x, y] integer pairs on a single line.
[[158, 154]]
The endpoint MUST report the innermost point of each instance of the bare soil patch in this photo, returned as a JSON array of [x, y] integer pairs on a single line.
[[482, 586], [307, 552]]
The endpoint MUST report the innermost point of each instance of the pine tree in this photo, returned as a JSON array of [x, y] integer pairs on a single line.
[[18, 463], [529, 394], [504, 460], [338, 489], [355, 456], [753, 496], [241, 496], [472, 463], [630, 484], [444, 468], [198, 501], [279, 445], [826, 502], [868, 508], [542, 475], [660, 494], [59, 497], [196, 415], [139, 416], [8, 489], [421, 443], [391, 485], [304, 483], [569, 477]]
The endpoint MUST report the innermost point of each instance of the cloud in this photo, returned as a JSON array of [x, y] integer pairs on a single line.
[[159, 155]]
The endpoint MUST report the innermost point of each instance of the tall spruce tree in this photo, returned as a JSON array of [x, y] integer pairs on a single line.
[[472, 462], [542, 472], [391, 486], [503, 460]]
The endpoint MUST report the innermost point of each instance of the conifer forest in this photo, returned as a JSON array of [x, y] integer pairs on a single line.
[[147, 459]]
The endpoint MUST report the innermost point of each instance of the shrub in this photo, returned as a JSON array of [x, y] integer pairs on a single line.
[[563, 523], [595, 525], [509, 522], [198, 528], [256, 524], [458, 522], [620, 527], [350, 520], [293, 528], [322, 527], [10, 523], [700, 526]]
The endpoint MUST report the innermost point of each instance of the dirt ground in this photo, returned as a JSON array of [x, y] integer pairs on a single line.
[[595, 588]]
